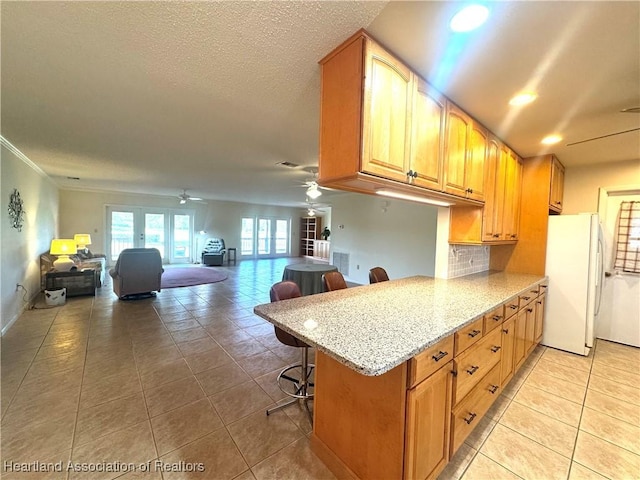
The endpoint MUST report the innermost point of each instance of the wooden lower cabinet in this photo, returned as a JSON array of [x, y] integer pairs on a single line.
[[508, 341], [468, 413], [427, 428], [408, 422]]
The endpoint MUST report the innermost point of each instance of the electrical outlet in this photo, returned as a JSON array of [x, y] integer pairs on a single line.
[[18, 286]]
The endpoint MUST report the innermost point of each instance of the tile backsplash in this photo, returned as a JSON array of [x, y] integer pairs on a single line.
[[467, 259]]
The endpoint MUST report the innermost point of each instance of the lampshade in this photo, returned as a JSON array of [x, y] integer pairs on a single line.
[[82, 239], [63, 247]]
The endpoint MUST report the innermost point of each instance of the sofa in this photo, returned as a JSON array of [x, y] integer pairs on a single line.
[[86, 259], [138, 271]]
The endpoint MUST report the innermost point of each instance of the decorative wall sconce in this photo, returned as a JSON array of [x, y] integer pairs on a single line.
[[16, 210]]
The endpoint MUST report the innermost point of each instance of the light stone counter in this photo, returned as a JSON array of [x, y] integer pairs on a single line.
[[374, 328]]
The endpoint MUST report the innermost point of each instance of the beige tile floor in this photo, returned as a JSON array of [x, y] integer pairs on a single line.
[[184, 379]]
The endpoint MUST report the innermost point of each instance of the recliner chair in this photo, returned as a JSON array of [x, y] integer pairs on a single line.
[[137, 271], [213, 252]]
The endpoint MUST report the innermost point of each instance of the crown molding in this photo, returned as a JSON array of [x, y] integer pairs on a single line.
[[13, 149]]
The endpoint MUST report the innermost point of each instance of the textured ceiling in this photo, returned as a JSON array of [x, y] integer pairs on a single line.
[[154, 97]]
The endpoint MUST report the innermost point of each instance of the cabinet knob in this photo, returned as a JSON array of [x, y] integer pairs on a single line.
[[513, 235], [469, 190], [529, 310], [497, 317], [474, 333], [558, 202], [496, 235], [496, 348], [473, 369], [410, 173], [440, 356], [505, 331], [539, 302], [493, 389], [470, 418]]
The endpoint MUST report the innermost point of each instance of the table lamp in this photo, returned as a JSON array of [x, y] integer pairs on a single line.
[[82, 240], [63, 247]]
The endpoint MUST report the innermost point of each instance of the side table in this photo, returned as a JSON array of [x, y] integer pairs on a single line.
[[77, 282], [229, 250]]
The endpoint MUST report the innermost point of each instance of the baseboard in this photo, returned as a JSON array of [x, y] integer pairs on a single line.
[[331, 460], [28, 306]]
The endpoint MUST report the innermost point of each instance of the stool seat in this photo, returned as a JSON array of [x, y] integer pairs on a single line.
[[301, 382]]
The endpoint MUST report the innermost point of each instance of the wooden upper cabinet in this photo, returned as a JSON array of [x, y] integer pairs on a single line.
[[474, 167], [512, 195], [557, 185], [458, 126], [388, 93], [494, 183], [465, 153], [428, 124]]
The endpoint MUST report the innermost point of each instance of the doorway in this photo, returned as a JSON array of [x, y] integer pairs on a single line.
[[170, 231], [619, 316], [265, 237]]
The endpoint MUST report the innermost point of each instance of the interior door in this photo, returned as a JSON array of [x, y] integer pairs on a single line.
[[619, 316]]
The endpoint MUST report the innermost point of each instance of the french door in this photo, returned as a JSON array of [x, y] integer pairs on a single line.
[[265, 237], [171, 232]]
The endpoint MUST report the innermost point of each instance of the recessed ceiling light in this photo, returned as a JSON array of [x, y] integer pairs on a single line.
[[551, 139], [523, 98], [469, 18]]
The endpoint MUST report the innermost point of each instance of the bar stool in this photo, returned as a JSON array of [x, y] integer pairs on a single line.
[[377, 275], [283, 291], [333, 281]]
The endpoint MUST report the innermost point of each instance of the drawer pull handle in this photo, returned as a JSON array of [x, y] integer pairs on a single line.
[[493, 389], [535, 292], [529, 310], [513, 307], [474, 333], [526, 298], [440, 356], [539, 302], [505, 330], [473, 369], [496, 348], [470, 418], [497, 317]]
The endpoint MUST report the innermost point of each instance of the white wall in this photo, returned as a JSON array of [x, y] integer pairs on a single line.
[[84, 212], [20, 250], [401, 239], [581, 184]]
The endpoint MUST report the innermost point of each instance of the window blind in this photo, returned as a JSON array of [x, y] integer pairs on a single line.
[[627, 238]]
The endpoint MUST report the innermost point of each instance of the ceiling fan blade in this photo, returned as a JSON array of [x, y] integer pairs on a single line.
[[602, 136]]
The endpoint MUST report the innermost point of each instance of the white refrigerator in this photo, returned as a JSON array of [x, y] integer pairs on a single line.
[[575, 247]]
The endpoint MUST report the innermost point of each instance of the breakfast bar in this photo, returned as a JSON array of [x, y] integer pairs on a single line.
[[393, 362]]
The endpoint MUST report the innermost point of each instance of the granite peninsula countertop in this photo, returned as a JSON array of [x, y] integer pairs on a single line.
[[374, 328]]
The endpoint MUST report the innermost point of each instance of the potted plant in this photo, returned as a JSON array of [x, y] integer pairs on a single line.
[[325, 233]]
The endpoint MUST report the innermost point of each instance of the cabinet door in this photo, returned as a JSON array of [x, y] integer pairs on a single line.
[[474, 168], [557, 185], [457, 141], [540, 303], [530, 328], [519, 341], [427, 142], [494, 180], [512, 194], [508, 340], [427, 429], [387, 106]]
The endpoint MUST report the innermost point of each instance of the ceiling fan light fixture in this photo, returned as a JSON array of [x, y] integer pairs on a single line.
[[551, 139], [523, 98], [311, 212], [469, 18], [313, 192]]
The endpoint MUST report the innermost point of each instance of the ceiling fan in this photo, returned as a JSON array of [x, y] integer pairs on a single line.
[[313, 189], [184, 197], [624, 110]]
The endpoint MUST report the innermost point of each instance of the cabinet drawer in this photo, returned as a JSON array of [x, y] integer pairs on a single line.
[[511, 307], [474, 364], [525, 299], [429, 361], [533, 291], [493, 319], [468, 336], [470, 411]]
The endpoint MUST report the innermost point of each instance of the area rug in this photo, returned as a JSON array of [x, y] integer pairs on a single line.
[[188, 276]]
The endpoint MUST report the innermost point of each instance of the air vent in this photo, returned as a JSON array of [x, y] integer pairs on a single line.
[[288, 164], [73, 178]]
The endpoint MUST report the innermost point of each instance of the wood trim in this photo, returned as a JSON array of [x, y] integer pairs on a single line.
[[330, 459], [361, 417]]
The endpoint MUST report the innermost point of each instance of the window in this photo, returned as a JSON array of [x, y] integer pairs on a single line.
[[627, 239], [246, 237]]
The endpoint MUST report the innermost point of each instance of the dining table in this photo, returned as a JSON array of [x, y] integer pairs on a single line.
[[308, 276]]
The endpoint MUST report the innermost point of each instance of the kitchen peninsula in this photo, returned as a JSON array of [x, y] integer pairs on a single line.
[[405, 369]]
